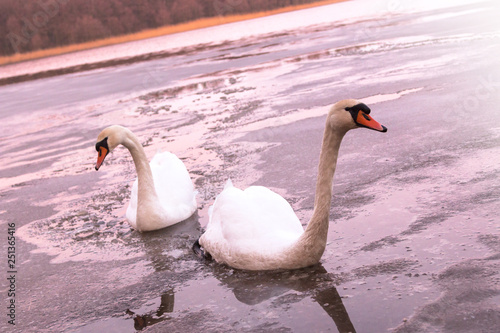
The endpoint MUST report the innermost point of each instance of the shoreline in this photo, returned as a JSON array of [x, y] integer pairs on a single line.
[[157, 32]]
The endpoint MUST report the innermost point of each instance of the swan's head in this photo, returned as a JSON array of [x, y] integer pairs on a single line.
[[350, 113], [107, 140]]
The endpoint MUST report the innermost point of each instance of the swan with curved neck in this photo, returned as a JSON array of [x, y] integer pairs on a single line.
[[256, 229], [163, 193]]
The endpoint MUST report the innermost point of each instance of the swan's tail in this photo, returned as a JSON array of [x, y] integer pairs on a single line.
[[200, 252], [229, 183]]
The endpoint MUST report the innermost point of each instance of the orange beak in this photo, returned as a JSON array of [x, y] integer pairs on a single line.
[[365, 120], [103, 152]]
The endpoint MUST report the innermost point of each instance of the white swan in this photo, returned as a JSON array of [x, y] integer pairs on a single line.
[[163, 194], [256, 229]]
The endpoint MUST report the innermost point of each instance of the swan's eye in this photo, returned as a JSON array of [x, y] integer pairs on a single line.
[[101, 144]]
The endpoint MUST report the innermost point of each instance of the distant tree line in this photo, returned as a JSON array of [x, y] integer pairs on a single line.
[[29, 25]]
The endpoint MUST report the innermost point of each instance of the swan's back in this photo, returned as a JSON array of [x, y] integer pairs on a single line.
[[256, 221], [173, 187]]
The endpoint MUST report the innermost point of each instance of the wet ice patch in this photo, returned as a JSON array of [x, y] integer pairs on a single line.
[[94, 233], [467, 302], [388, 97], [443, 16], [127, 275], [176, 253]]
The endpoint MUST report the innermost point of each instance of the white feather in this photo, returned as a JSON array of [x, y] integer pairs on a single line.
[[173, 186]]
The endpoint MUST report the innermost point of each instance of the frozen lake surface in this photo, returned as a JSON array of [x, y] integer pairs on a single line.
[[414, 242]]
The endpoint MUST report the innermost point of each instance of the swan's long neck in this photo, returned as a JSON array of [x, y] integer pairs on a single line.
[[148, 211], [312, 242]]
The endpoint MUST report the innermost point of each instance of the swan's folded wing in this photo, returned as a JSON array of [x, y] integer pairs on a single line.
[[256, 219], [173, 186], [274, 211]]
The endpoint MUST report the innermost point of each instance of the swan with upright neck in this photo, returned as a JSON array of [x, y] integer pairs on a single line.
[[256, 229], [163, 193]]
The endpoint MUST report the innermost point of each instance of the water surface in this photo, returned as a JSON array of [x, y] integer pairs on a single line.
[[413, 242]]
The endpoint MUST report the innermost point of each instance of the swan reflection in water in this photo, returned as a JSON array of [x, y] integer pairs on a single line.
[[158, 248], [330, 300], [157, 316], [252, 288]]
